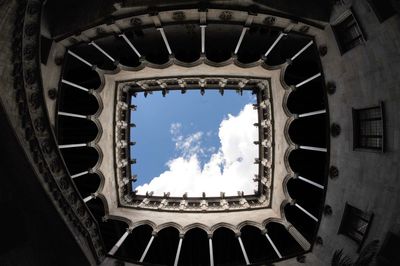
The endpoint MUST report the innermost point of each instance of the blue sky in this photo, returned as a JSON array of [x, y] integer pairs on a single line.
[[184, 128]]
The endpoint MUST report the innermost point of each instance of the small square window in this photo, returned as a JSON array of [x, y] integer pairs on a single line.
[[368, 128], [348, 33], [355, 224], [383, 9]]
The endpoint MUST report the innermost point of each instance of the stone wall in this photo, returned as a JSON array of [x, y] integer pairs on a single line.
[[369, 181]]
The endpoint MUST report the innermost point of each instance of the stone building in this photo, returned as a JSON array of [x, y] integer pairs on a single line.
[[326, 78]]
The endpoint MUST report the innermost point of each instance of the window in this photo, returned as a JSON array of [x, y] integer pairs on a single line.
[[383, 9], [355, 224], [348, 33], [368, 128]]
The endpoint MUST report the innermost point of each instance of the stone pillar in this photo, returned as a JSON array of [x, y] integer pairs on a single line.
[[302, 50], [265, 232], [154, 234], [299, 237], [243, 249], [275, 43], [120, 242], [178, 251], [210, 247]]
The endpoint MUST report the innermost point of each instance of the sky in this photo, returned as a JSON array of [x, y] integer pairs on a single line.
[[188, 143]]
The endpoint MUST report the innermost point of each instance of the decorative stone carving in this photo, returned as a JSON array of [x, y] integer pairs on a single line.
[[225, 15], [304, 29], [269, 21], [327, 210], [178, 16], [323, 50], [333, 172], [52, 93], [29, 52], [319, 241], [34, 119], [331, 87], [206, 82], [301, 259], [136, 22], [335, 130]]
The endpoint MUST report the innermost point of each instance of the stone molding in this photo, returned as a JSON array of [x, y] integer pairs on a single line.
[[38, 138]]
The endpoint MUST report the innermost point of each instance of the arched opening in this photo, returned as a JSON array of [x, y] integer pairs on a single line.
[[306, 195], [76, 101], [134, 245], [119, 49], [96, 207], [257, 246], [221, 40], [226, 248], [151, 46], [301, 221], [255, 43], [125, 54], [79, 73], [90, 53], [309, 164], [80, 159], [73, 130], [284, 242], [194, 248], [164, 246], [309, 131], [111, 231], [185, 40], [87, 184], [287, 46], [307, 98], [303, 67]]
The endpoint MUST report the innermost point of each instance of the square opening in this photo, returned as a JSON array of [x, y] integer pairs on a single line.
[[195, 141]]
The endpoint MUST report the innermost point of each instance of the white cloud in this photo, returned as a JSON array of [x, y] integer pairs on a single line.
[[190, 145], [175, 128], [230, 169]]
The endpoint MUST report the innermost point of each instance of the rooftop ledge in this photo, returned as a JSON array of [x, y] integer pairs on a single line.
[[267, 82]]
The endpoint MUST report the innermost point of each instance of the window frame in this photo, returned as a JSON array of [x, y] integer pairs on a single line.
[[356, 129], [350, 210], [381, 17], [335, 28]]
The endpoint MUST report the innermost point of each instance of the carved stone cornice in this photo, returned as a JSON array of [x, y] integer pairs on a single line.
[[129, 198], [37, 136]]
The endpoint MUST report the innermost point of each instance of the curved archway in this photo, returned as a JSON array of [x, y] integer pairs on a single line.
[[284, 242], [299, 161], [112, 230], [96, 207], [135, 243], [93, 55], [87, 184], [76, 130], [80, 159], [185, 41], [151, 45], [301, 221], [302, 67], [255, 43], [76, 101], [306, 195], [195, 248], [257, 246], [307, 98], [226, 248], [164, 246], [79, 73], [226, 42], [309, 131]]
